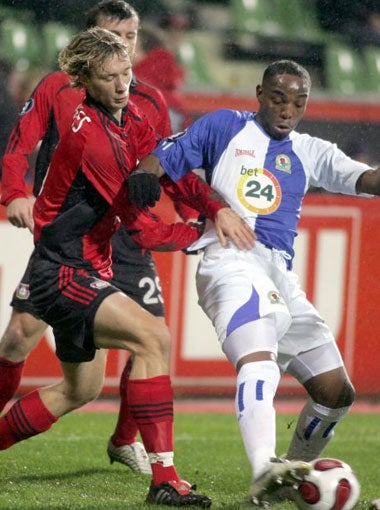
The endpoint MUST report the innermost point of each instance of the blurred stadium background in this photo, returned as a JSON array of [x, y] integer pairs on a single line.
[[224, 48]]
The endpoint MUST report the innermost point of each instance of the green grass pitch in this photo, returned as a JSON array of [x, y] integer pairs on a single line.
[[67, 467]]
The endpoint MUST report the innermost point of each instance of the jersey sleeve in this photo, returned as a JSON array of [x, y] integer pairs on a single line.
[[149, 231], [185, 212], [26, 134], [330, 168], [201, 145], [193, 192]]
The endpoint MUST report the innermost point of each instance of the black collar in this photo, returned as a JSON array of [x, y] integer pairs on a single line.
[[90, 101]]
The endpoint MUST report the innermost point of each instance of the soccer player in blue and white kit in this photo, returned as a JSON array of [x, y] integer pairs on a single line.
[[264, 322]]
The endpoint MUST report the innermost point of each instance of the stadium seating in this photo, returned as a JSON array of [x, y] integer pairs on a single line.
[[256, 17], [299, 20], [55, 37], [344, 69], [267, 30], [230, 56], [193, 57], [372, 61], [20, 43]]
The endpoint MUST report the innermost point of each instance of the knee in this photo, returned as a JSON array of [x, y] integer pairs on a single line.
[[332, 394], [342, 396], [347, 395], [79, 396]]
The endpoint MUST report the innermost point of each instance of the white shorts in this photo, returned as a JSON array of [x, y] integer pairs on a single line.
[[238, 287]]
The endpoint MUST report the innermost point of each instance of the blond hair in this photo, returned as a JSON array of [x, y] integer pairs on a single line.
[[89, 50]]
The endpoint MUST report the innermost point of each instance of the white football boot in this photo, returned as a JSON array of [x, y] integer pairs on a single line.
[[282, 473], [132, 455]]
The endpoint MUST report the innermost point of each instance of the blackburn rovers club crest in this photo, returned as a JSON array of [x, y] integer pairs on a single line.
[[259, 190], [283, 163], [275, 298], [23, 291]]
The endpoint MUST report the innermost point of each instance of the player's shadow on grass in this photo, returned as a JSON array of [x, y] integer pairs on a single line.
[[82, 473]]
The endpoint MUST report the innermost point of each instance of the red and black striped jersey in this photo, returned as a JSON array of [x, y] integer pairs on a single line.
[[48, 114], [85, 196]]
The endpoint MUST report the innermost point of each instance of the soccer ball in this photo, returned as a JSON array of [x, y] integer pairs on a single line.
[[330, 485]]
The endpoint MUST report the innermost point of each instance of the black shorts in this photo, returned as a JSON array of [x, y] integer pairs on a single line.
[[67, 298], [21, 297], [134, 272]]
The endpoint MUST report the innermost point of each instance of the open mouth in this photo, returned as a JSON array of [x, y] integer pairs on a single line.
[[282, 129]]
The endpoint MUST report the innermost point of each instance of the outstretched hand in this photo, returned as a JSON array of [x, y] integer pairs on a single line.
[[230, 225], [20, 213]]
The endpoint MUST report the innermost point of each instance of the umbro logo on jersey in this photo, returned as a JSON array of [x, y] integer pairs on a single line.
[[245, 152], [283, 163]]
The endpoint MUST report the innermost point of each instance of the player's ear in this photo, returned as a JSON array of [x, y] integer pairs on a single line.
[[259, 91]]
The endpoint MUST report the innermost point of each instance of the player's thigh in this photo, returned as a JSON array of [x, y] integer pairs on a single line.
[[307, 329], [235, 290], [255, 337], [81, 383], [84, 381], [120, 323]]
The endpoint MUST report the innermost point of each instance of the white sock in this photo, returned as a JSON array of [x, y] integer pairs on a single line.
[[315, 429], [256, 387]]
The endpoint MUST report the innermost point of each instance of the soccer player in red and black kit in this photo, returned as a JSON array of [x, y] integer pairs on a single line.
[[83, 199], [46, 116]]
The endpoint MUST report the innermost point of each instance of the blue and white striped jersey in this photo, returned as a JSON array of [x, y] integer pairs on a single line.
[[263, 179]]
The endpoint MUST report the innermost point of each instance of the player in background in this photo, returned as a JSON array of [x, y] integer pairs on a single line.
[[264, 322], [46, 116], [83, 198]]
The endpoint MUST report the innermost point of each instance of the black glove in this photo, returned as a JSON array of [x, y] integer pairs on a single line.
[[144, 188]]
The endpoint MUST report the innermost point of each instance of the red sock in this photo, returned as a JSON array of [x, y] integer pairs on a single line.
[[26, 418], [151, 404], [10, 377], [126, 428]]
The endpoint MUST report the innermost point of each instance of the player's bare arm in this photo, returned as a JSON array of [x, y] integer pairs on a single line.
[[151, 164], [369, 182], [20, 212]]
